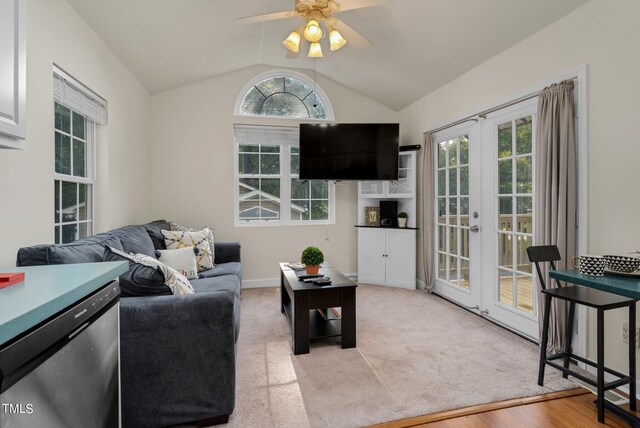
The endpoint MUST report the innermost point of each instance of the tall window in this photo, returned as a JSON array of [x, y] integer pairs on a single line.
[[77, 110], [285, 94], [268, 188], [73, 187]]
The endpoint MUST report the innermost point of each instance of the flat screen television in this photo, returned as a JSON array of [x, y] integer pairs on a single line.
[[349, 151]]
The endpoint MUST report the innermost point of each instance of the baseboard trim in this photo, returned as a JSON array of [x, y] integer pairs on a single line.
[[609, 377], [275, 282], [261, 283]]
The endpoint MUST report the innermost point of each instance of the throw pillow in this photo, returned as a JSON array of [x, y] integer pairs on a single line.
[[182, 259], [212, 244], [174, 239], [176, 282]]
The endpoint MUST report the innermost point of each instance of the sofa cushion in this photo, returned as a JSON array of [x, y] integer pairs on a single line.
[[139, 280], [153, 229], [136, 240], [230, 268], [174, 239], [219, 283], [87, 250]]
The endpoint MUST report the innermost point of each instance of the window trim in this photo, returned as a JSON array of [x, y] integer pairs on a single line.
[[320, 93], [90, 168], [285, 189]]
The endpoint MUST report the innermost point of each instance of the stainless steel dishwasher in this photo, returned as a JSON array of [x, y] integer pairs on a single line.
[[65, 372]]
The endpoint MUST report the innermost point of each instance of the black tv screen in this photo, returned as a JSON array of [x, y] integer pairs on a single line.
[[349, 151]]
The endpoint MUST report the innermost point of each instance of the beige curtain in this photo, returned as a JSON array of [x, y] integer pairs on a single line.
[[427, 225], [555, 206]]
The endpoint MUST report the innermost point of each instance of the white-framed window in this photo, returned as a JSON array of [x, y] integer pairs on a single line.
[[283, 94], [77, 112], [268, 190]]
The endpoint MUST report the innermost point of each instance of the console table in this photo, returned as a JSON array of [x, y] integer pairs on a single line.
[[621, 285], [299, 302]]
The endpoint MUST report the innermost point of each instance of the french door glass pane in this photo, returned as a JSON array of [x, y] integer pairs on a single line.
[[515, 218], [453, 211]]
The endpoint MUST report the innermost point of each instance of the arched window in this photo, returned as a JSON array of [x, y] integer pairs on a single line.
[[284, 94]]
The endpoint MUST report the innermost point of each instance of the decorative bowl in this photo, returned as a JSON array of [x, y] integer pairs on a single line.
[[624, 264]]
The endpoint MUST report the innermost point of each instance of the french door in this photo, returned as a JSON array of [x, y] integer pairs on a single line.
[[458, 203], [484, 220]]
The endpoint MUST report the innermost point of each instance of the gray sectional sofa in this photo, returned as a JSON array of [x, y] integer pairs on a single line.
[[178, 353]]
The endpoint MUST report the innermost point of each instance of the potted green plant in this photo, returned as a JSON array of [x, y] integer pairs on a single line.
[[312, 257], [402, 219]]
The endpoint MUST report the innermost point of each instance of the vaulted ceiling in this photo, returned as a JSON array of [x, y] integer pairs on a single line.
[[416, 47]]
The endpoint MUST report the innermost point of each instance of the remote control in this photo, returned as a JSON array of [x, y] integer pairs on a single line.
[[311, 275]]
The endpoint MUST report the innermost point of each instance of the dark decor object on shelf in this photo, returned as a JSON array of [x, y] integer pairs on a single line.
[[389, 213]]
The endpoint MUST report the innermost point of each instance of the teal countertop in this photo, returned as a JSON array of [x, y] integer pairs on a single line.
[[621, 285], [46, 290]]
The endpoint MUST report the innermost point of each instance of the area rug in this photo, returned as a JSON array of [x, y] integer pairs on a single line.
[[416, 354]]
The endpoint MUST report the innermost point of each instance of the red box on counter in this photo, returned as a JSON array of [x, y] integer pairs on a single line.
[[7, 279]]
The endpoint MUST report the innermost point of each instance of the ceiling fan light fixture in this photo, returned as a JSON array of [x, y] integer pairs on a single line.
[[292, 42], [315, 51], [313, 32], [336, 39]]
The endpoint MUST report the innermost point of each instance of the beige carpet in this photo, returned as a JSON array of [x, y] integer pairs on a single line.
[[416, 354]]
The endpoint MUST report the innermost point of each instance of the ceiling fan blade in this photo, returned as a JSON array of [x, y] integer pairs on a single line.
[[352, 36], [358, 4], [264, 18]]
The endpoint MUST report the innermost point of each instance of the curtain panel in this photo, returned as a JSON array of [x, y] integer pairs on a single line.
[[555, 206], [427, 227]]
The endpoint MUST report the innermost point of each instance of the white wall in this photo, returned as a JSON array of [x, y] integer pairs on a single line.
[[603, 35], [56, 34], [192, 150]]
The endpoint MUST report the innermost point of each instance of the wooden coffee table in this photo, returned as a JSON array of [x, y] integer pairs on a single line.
[[300, 302]]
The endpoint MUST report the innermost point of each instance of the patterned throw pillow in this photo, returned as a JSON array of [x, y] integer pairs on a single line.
[[175, 239], [183, 260], [212, 244], [176, 282]]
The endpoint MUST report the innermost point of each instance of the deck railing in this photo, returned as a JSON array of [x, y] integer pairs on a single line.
[[523, 224]]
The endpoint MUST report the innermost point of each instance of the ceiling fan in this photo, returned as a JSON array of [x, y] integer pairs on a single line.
[[314, 12]]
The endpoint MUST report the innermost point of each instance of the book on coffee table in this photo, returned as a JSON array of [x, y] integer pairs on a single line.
[[296, 265]]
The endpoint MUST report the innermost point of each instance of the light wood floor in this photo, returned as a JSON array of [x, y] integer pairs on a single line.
[[524, 285], [573, 408]]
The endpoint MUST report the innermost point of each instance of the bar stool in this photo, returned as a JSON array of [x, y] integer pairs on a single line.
[[597, 299]]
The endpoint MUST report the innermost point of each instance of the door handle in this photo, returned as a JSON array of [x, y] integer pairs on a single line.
[[475, 228]]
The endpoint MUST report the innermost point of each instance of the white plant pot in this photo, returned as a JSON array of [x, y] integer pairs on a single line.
[[402, 222]]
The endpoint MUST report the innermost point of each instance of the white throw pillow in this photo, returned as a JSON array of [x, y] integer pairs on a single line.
[[182, 259], [174, 239]]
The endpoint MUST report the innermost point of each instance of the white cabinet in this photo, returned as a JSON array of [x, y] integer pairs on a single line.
[[387, 257], [12, 73]]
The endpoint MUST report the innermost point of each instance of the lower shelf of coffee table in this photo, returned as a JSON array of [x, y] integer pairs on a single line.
[[328, 326]]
